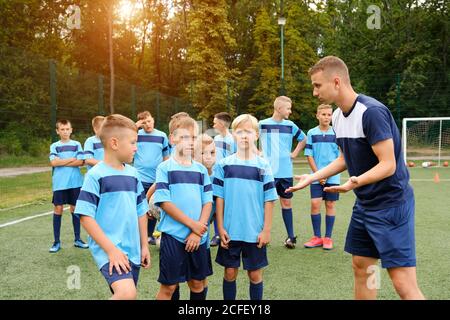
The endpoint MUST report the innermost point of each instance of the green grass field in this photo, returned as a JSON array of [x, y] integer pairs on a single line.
[[30, 272]]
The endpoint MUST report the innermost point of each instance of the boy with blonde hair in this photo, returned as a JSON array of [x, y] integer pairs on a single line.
[[321, 149], [93, 147], [184, 193], [66, 157], [245, 191], [277, 134], [112, 206]]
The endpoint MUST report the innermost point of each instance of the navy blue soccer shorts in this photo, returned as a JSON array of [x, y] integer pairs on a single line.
[[177, 265], [386, 234], [253, 258], [67, 196], [316, 190], [110, 279], [281, 184]]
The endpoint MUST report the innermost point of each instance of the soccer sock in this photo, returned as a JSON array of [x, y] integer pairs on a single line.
[[198, 295], [76, 226], [176, 294], [216, 229], [229, 290], [256, 291], [56, 226], [287, 218], [151, 224], [329, 221], [316, 222]]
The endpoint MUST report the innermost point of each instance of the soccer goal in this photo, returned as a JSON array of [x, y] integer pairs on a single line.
[[426, 139]]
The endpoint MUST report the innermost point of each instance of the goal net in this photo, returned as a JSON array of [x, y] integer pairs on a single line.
[[426, 139]]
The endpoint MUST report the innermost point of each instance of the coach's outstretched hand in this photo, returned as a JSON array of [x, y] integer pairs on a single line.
[[303, 181], [351, 184]]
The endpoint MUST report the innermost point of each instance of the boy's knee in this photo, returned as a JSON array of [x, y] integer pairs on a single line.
[[58, 210], [125, 293], [255, 276], [286, 203], [230, 274], [329, 205], [315, 206], [196, 285]]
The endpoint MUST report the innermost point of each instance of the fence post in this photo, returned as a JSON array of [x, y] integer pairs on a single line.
[[133, 102], [53, 103], [101, 105]]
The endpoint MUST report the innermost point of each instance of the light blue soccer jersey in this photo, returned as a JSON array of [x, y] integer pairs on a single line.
[[323, 148], [66, 177], [245, 185], [93, 149], [115, 199], [276, 142], [225, 146], [151, 149], [188, 188]]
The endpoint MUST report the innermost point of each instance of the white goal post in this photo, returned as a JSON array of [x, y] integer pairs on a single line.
[[426, 139]]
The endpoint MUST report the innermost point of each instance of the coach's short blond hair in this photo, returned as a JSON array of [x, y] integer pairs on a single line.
[[331, 65], [324, 106], [243, 118], [281, 100], [114, 126], [97, 122]]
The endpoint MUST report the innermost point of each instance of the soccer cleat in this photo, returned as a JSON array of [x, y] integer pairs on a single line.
[[290, 242], [55, 247], [327, 243], [152, 240], [314, 242], [80, 244], [215, 241]]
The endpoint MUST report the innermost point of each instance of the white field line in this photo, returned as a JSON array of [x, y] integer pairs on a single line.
[[27, 218], [18, 206]]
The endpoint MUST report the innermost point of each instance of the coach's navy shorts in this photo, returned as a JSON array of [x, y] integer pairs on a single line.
[[387, 234], [281, 184], [67, 196], [133, 274], [177, 265], [317, 192], [253, 258]]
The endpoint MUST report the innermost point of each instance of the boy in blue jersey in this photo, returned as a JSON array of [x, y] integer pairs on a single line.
[[321, 149], [382, 223], [184, 193], [205, 153], [225, 146], [66, 157], [245, 191], [276, 135], [93, 147], [112, 207], [153, 148]]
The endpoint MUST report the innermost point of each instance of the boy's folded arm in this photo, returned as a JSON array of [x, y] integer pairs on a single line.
[[76, 163], [91, 161], [57, 162]]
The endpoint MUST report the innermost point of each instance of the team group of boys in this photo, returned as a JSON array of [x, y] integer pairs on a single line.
[[193, 180]]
